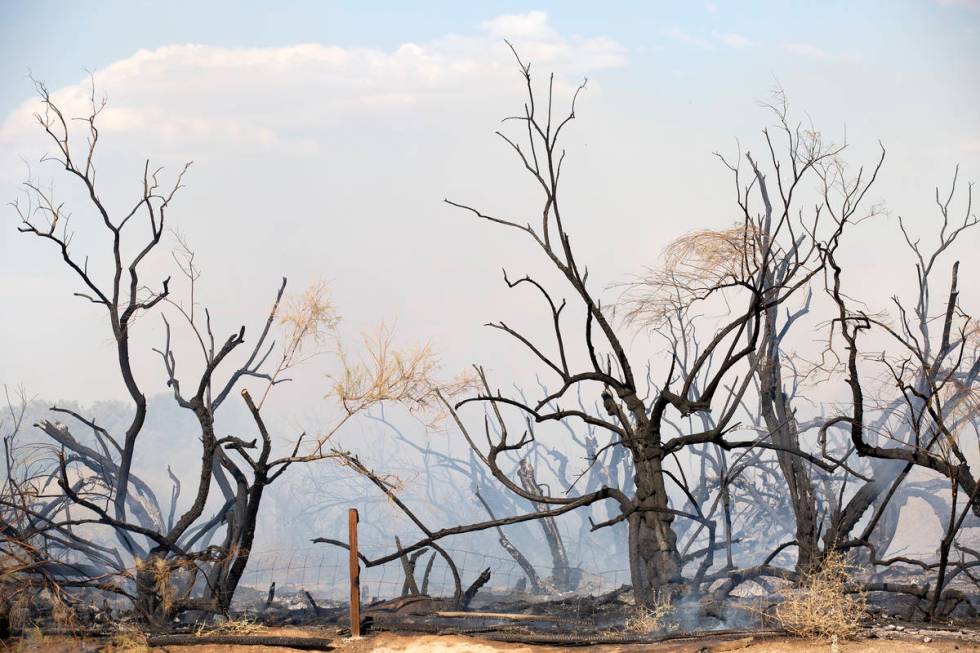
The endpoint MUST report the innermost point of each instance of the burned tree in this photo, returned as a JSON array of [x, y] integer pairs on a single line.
[[780, 234], [96, 515], [855, 508], [778, 248], [922, 428], [26, 567]]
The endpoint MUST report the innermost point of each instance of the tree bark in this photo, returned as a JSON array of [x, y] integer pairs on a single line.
[[655, 563]]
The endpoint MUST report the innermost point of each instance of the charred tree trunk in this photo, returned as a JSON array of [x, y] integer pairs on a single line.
[[561, 572], [869, 499], [779, 418], [537, 587], [655, 563], [804, 504], [241, 530]]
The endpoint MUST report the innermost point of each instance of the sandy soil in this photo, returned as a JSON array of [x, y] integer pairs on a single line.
[[396, 643], [452, 644]]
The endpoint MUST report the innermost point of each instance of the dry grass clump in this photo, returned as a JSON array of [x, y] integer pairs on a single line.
[[63, 614], [825, 605], [128, 639], [241, 626], [651, 620], [19, 611]]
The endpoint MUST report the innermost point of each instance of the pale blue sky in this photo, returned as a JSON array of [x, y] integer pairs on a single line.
[[331, 159], [58, 39]]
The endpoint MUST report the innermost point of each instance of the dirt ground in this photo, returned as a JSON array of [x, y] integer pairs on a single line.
[[409, 643], [388, 643]]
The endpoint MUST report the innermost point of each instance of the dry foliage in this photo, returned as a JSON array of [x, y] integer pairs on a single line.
[[386, 373], [825, 605], [693, 265], [651, 620], [311, 316]]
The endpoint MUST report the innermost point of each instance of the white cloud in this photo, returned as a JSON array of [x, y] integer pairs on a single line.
[[728, 39], [810, 51], [680, 35], [307, 84], [805, 50], [311, 160], [733, 40], [530, 26]]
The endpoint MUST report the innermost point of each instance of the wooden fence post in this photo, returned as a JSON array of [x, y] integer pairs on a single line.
[[355, 575]]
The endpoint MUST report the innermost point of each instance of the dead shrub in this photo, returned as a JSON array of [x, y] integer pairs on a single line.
[[825, 605], [19, 611], [655, 619], [63, 614]]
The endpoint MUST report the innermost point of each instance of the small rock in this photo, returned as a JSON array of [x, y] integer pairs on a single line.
[[926, 640]]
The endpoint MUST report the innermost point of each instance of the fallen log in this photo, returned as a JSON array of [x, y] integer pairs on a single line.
[[302, 643], [579, 640], [507, 616]]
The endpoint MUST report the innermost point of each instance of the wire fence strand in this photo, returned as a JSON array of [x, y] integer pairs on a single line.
[[323, 572]]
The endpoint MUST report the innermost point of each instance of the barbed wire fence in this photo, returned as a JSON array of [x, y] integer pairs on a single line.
[[323, 572]]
